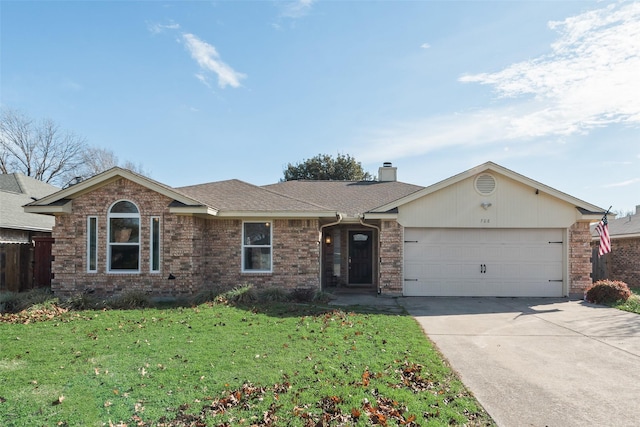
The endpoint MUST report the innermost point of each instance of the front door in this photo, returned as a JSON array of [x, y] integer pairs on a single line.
[[360, 257]]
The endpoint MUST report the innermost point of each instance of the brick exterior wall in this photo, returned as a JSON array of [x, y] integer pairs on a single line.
[[295, 252], [579, 258], [391, 246], [196, 251], [624, 260]]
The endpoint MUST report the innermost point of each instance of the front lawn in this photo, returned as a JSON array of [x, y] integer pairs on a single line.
[[632, 304], [219, 365]]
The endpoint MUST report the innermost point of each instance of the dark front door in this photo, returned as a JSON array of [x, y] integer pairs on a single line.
[[360, 257]]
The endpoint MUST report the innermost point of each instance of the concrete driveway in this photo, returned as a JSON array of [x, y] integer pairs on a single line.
[[539, 361]]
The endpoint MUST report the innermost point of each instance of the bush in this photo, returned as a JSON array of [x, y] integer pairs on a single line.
[[14, 302], [273, 295], [129, 301], [245, 294], [82, 301], [608, 292], [209, 294]]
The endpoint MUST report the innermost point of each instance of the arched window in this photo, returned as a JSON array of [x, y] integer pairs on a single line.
[[123, 252]]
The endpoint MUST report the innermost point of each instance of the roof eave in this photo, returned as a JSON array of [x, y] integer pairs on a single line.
[[193, 210], [64, 209], [276, 214]]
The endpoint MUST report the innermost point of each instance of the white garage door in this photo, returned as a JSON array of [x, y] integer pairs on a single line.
[[483, 262]]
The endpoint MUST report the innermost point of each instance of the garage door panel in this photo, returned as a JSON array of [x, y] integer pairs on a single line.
[[483, 262]]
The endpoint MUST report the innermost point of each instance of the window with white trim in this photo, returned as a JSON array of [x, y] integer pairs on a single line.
[[256, 246], [154, 247], [92, 244], [123, 247]]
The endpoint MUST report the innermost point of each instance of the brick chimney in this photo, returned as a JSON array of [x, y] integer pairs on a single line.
[[387, 173]]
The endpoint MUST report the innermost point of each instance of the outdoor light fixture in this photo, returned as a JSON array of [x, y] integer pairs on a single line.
[[327, 239], [485, 205]]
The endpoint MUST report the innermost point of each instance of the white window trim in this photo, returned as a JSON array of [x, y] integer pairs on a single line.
[[139, 244], [151, 244], [89, 234], [270, 246]]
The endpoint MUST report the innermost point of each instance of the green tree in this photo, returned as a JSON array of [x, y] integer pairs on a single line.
[[325, 167]]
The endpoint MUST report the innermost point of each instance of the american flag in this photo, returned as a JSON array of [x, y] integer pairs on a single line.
[[605, 241]]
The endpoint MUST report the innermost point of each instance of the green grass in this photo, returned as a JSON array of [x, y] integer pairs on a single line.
[[282, 365], [632, 304]]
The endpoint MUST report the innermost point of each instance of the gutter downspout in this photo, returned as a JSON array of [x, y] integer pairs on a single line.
[[361, 219], [321, 260]]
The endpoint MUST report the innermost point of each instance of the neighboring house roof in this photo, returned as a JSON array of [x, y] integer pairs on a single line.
[[16, 190], [586, 210], [347, 197], [623, 227]]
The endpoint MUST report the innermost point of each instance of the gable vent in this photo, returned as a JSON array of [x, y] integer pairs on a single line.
[[485, 184]]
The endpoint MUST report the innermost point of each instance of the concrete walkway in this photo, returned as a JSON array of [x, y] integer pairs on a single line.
[[539, 362]]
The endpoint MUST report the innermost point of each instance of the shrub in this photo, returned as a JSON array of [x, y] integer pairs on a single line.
[[273, 295], [209, 294], [245, 294], [14, 302], [303, 294], [608, 292], [82, 301], [129, 300]]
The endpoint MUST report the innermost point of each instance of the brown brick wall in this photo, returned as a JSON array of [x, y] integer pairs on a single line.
[[295, 255], [196, 251], [579, 258], [624, 260], [391, 244]]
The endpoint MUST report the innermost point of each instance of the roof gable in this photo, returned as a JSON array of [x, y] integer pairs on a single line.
[[587, 210], [59, 202]]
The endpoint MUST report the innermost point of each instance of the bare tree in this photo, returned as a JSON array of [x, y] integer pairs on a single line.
[[40, 150], [96, 160]]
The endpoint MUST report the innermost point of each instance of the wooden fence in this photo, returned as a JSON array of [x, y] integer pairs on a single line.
[[25, 266]]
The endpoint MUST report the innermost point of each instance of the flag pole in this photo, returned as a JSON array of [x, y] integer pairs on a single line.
[[604, 217]]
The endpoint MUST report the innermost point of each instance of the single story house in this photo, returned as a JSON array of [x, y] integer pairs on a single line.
[[623, 262], [487, 231], [25, 238]]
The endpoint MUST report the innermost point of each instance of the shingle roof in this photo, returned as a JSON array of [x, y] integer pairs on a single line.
[[16, 190], [350, 197], [236, 195], [624, 226]]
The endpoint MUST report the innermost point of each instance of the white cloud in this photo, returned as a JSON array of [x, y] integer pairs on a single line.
[[296, 9], [209, 60], [622, 184], [588, 80], [425, 45], [156, 28]]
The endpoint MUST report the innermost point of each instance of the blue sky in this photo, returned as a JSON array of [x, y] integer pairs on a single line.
[[199, 91]]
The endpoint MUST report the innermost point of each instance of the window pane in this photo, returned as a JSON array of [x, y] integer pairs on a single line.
[[155, 244], [124, 257], [257, 233], [124, 207], [92, 241], [124, 230], [257, 259]]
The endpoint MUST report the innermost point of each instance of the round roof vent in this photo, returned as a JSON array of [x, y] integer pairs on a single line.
[[485, 184]]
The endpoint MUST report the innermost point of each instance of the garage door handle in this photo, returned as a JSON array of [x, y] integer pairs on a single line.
[[483, 268]]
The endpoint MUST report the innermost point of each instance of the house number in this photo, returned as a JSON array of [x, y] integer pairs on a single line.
[[485, 220]]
